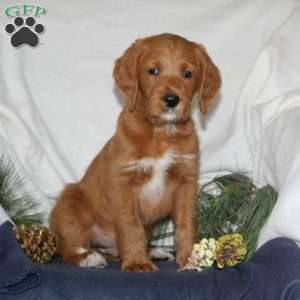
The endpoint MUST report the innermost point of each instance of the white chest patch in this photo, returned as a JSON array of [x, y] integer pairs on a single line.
[[155, 187]]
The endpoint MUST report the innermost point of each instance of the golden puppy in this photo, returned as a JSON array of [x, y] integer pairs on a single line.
[[149, 168]]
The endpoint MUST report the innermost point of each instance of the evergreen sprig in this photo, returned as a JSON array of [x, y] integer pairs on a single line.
[[235, 206], [229, 204], [18, 204]]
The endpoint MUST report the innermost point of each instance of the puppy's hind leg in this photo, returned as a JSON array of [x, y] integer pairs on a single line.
[[71, 220]]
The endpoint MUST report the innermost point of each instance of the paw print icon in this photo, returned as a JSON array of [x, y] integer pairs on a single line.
[[24, 32]]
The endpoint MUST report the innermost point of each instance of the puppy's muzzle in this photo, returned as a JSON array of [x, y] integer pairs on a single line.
[[171, 100]]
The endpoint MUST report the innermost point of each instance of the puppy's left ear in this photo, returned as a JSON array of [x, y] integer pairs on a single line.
[[210, 79], [125, 73]]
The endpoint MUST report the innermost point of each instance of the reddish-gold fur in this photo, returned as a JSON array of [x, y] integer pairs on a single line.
[[106, 204]]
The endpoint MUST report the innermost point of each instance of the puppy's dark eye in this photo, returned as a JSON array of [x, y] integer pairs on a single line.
[[187, 74], [154, 71]]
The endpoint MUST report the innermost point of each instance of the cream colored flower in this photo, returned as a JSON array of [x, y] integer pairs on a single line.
[[228, 250], [203, 255]]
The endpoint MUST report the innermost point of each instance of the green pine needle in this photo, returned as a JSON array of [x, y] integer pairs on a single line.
[[238, 207], [20, 206], [229, 204]]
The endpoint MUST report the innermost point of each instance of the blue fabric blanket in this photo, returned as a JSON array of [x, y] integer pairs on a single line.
[[272, 273]]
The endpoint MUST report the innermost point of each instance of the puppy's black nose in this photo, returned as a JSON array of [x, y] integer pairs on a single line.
[[171, 99]]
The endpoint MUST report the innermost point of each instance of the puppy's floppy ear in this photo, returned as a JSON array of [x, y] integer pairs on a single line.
[[125, 73], [210, 79]]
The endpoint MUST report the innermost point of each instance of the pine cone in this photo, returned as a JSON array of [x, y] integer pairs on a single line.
[[38, 243]]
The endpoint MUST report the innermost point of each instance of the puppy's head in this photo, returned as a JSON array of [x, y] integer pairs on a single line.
[[161, 75]]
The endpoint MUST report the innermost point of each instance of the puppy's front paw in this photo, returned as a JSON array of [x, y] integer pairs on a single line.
[[182, 256], [139, 266]]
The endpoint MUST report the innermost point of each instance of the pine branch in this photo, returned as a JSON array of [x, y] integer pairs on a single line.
[[20, 206], [229, 204]]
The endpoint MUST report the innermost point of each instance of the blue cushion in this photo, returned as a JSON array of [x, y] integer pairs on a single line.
[[272, 273]]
